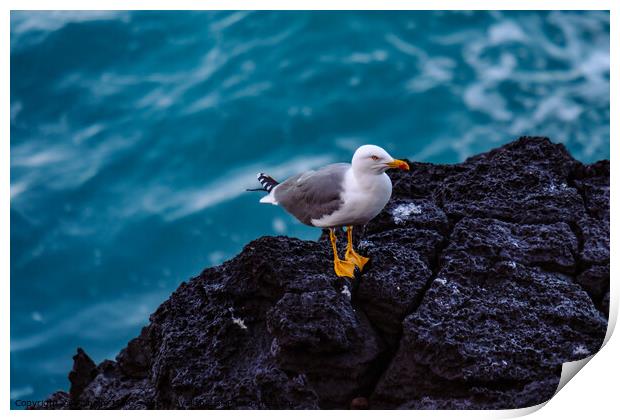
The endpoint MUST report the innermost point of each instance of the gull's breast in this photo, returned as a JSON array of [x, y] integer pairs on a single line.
[[360, 203]]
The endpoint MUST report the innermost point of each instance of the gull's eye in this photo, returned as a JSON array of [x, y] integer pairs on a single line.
[[374, 157]]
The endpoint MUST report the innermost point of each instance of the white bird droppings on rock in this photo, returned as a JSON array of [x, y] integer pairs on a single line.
[[239, 322], [236, 320], [401, 213], [580, 350], [346, 292]]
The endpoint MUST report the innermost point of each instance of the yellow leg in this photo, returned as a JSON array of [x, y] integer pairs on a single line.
[[351, 255], [342, 268]]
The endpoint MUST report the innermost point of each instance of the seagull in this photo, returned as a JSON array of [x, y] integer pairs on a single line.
[[336, 196]]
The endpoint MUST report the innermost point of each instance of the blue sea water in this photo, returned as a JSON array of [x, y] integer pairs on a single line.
[[134, 135]]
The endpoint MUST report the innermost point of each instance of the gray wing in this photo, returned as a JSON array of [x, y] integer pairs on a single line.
[[313, 194]]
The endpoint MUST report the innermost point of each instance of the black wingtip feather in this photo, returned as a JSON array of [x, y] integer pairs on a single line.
[[266, 181]]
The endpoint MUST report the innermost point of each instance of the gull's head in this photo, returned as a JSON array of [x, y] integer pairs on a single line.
[[374, 159]]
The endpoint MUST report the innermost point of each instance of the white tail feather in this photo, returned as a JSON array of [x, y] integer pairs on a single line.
[[269, 198]]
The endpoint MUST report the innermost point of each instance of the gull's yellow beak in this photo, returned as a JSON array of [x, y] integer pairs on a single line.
[[400, 164]]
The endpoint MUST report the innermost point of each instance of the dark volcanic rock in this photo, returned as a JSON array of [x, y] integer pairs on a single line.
[[494, 320], [484, 278], [402, 212], [595, 281], [593, 232], [593, 182], [595, 238], [477, 245], [84, 371], [527, 181], [399, 276]]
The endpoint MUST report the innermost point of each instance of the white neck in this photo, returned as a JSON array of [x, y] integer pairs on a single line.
[[368, 180]]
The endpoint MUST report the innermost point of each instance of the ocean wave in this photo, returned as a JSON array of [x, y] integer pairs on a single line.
[[30, 27], [95, 322], [175, 204]]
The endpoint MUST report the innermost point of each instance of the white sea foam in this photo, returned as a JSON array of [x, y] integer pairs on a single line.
[[561, 95], [279, 226], [61, 165], [366, 57], [104, 319], [17, 188], [434, 72], [17, 393], [229, 20], [506, 31], [173, 204], [29, 21]]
